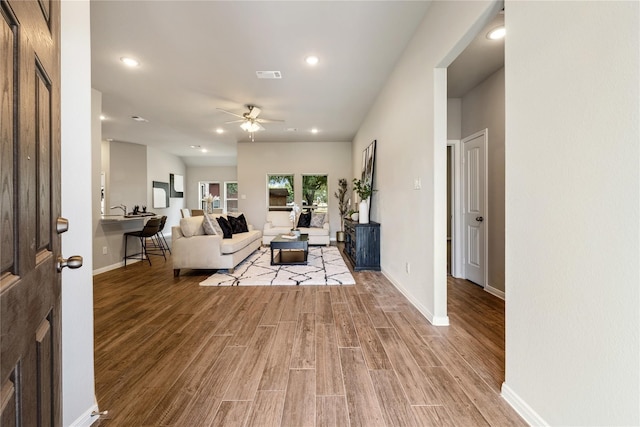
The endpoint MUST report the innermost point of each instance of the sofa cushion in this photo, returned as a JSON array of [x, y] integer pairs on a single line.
[[209, 225], [226, 227], [238, 241], [191, 226], [238, 224], [317, 220], [304, 220]]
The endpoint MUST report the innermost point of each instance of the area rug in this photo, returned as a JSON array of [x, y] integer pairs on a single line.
[[325, 266]]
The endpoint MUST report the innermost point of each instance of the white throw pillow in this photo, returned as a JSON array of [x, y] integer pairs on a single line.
[[209, 225], [191, 226], [317, 220]]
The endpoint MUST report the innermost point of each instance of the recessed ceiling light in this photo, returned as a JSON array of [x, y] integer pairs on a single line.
[[291, 129], [194, 146], [219, 130], [103, 117], [204, 150], [139, 119], [497, 33], [312, 60], [314, 130], [129, 62]]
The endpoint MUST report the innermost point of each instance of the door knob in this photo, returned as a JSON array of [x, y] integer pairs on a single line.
[[62, 225], [72, 262], [479, 219]]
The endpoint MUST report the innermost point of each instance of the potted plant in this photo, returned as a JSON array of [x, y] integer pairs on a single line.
[[343, 205], [364, 191]]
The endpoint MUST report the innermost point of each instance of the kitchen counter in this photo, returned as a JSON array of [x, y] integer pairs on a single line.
[[120, 218]]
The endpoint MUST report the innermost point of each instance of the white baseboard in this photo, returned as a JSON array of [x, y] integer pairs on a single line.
[[520, 406], [86, 419], [434, 320], [496, 292], [114, 266]]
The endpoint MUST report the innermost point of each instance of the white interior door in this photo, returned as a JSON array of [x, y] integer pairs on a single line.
[[474, 207]]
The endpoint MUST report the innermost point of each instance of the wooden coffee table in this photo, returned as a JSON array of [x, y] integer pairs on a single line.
[[286, 251]]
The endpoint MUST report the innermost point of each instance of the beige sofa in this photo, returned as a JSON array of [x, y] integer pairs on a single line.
[[278, 222], [192, 248]]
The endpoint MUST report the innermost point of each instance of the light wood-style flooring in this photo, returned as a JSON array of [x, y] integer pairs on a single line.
[[171, 353]]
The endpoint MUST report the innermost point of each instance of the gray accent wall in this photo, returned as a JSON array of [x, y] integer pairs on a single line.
[[196, 174], [483, 108], [258, 159]]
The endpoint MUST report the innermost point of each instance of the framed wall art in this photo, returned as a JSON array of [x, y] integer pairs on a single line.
[[160, 194], [176, 183]]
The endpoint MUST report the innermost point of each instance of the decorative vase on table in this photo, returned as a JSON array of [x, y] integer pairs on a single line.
[[364, 212]]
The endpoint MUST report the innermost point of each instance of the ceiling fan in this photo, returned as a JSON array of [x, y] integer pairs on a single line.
[[249, 120]]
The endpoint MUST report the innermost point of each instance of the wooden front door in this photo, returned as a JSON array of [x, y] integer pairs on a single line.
[[30, 316]]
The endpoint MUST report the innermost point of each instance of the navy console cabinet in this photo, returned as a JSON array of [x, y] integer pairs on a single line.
[[362, 244]]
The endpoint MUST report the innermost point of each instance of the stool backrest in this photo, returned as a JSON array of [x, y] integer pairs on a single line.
[[150, 228], [163, 221]]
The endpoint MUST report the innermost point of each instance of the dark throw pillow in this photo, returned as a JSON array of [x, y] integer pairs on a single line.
[[238, 224], [226, 227], [304, 220]]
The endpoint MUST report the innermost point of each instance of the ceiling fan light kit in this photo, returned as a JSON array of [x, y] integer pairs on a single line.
[[251, 126]]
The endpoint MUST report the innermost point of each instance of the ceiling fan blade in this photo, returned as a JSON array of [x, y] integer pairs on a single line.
[[254, 112], [229, 112], [269, 121], [234, 121]]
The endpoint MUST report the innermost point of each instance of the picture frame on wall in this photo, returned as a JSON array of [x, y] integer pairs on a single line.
[[363, 175], [160, 194], [176, 183], [368, 162]]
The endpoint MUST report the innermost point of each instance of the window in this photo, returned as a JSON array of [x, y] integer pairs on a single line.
[[279, 191], [315, 192], [231, 196]]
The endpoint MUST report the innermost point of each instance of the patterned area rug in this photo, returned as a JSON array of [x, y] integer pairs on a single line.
[[325, 266]]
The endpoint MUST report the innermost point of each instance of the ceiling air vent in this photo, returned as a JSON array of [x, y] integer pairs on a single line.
[[269, 74]]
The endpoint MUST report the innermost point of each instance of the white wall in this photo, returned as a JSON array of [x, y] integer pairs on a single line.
[[127, 176], [196, 174], [454, 118], [405, 153], [78, 390], [257, 160], [572, 202], [483, 108], [159, 165]]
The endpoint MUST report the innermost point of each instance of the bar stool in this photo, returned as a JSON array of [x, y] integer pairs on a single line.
[[162, 241], [149, 230]]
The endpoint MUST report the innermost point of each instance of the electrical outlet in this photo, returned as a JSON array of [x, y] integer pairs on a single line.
[[407, 267], [104, 250]]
